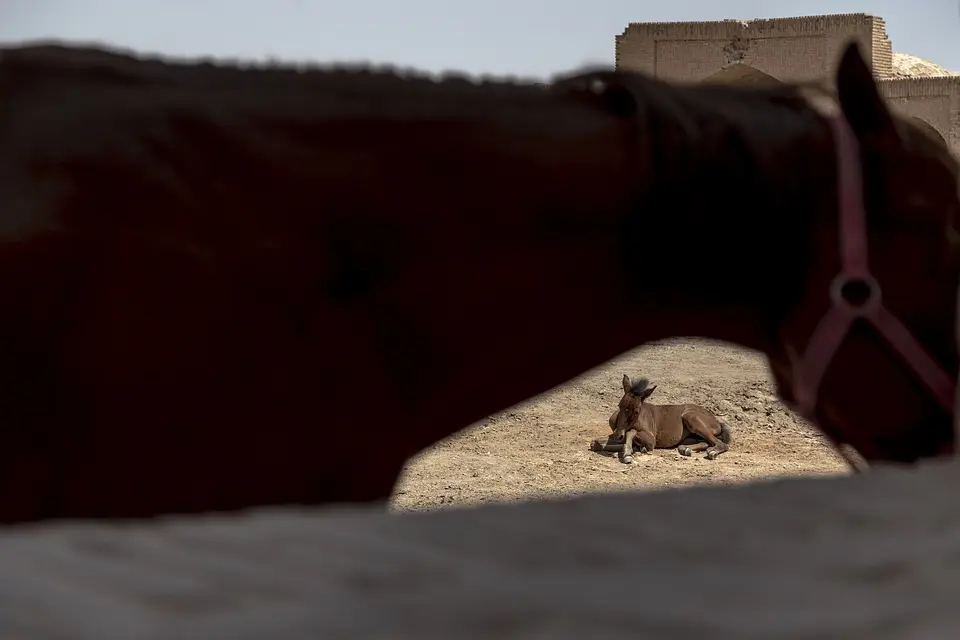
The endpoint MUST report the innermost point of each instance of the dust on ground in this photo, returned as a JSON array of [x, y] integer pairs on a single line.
[[541, 448]]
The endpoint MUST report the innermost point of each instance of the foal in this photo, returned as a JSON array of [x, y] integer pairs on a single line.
[[688, 427]]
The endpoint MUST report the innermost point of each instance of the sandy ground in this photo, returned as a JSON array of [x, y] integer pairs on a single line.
[[541, 448]]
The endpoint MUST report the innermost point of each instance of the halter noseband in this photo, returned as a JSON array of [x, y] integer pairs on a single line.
[[834, 326]]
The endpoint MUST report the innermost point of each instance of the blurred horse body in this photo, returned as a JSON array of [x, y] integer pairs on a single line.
[[213, 279]]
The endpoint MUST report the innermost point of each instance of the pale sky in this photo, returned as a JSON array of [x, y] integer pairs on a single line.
[[519, 37]]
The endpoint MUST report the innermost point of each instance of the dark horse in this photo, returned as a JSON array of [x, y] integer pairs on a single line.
[[688, 427], [210, 276]]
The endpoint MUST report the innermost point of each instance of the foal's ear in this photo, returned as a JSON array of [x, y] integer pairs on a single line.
[[626, 384], [859, 99], [648, 392]]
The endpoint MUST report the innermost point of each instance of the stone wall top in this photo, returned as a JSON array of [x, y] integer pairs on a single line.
[[759, 28], [937, 86]]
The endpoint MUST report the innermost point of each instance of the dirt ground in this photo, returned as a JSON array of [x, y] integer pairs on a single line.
[[541, 448]]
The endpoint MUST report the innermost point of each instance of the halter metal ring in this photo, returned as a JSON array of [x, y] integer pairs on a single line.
[[843, 280]]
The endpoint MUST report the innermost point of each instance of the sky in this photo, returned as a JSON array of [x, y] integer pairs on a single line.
[[527, 38]]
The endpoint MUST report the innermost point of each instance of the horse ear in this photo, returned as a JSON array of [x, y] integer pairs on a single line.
[[859, 99], [626, 383], [648, 392]]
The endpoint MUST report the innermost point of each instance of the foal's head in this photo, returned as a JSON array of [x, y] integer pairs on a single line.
[[634, 394]]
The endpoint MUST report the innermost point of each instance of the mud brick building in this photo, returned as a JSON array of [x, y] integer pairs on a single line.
[[792, 49]]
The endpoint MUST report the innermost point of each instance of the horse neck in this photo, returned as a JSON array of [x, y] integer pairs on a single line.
[[558, 235], [738, 182]]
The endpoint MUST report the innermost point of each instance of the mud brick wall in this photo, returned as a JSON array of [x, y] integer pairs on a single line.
[[786, 49]]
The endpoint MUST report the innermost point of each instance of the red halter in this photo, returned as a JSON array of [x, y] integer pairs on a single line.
[[833, 327]]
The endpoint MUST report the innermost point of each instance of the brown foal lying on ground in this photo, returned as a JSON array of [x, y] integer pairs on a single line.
[[688, 427]]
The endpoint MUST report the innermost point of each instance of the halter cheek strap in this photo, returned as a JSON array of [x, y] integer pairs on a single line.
[[835, 325]]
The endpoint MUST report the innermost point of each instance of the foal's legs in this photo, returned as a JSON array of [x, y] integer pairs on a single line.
[[612, 443], [648, 441], [627, 455], [690, 449], [625, 447], [609, 445], [698, 426]]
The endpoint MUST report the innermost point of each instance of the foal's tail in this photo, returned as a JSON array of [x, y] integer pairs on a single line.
[[725, 435]]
